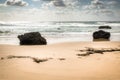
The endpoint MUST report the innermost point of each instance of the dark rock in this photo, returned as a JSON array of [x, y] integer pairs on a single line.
[[99, 51], [101, 35], [1, 32], [104, 27], [32, 38], [89, 52], [59, 28], [10, 57], [39, 60], [85, 54], [2, 58]]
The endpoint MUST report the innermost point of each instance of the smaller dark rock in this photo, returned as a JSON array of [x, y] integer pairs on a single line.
[[89, 52], [117, 49], [10, 57], [59, 28], [104, 27], [22, 57], [99, 51], [82, 54], [81, 50], [39, 60], [2, 58], [101, 35], [1, 32]]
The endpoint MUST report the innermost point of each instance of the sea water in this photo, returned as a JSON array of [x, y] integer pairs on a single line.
[[57, 31]]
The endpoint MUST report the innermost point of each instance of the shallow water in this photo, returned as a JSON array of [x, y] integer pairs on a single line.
[[56, 31]]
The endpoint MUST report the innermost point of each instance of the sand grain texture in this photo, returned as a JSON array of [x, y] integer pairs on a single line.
[[93, 67]]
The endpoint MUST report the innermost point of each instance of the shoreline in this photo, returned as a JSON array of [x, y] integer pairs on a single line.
[[54, 39], [67, 42]]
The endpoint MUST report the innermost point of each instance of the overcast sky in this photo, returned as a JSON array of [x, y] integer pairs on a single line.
[[59, 10]]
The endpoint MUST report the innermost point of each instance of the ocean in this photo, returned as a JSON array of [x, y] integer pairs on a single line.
[[57, 31]]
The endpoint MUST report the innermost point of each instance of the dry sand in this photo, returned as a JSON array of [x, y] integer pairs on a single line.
[[62, 64]]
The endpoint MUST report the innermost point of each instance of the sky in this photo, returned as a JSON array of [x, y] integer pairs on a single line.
[[59, 10]]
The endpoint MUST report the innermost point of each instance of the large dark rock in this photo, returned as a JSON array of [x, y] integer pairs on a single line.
[[32, 38], [101, 35], [104, 27]]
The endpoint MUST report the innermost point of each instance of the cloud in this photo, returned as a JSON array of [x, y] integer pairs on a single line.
[[47, 5], [61, 7], [61, 10], [47, 0], [35, 0], [16, 3], [95, 4], [99, 7], [73, 4], [59, 3], [53, 3], [112, 3]]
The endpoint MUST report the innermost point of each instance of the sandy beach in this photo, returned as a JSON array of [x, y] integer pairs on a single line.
[[59, 39], [61, 61]]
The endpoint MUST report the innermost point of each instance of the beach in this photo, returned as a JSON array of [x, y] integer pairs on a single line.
[[61, 61], [59, 39]]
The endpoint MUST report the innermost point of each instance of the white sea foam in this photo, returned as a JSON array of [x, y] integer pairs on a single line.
[[59, 31]]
